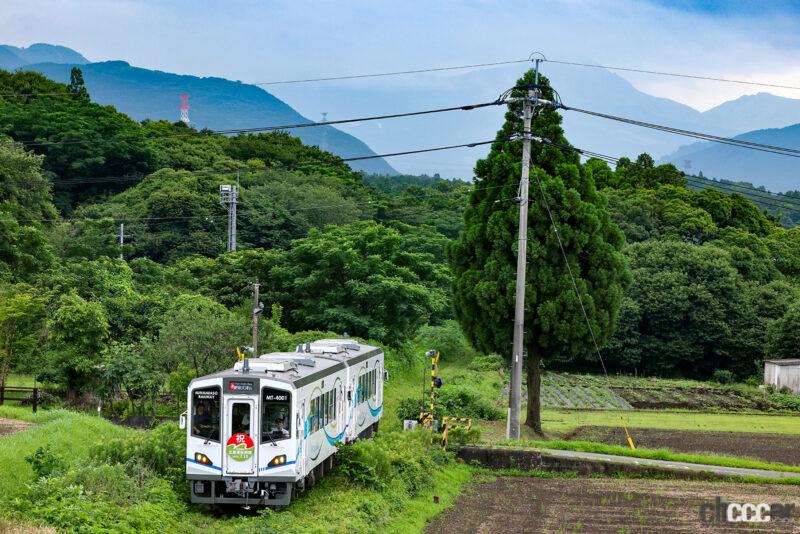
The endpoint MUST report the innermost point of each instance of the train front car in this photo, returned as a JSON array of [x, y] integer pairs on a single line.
[[240, 446], [269, 427]]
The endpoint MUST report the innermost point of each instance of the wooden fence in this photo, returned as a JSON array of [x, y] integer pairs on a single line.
[[20, 394]]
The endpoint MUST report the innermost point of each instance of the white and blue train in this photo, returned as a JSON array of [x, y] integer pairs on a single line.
[[265, 430]]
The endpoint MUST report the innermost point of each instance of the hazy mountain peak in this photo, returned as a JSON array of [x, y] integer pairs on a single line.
[[39, 53]]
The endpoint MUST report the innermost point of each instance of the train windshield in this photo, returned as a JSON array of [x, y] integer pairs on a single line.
[[205, 413], [275, 415]]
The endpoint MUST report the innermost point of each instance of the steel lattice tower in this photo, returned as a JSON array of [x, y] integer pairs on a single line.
[[185, 109]]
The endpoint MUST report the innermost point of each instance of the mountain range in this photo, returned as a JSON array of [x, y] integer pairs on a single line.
[[737, 164], [217, 103]]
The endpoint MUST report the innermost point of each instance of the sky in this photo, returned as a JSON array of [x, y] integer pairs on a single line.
[[264, 40]]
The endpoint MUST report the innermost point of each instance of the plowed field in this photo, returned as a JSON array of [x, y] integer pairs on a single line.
[[507, 505], [770, 447]]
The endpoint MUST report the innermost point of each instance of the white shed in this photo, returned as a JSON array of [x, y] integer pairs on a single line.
[[783, 373]]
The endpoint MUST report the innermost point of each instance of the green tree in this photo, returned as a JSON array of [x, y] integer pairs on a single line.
[[784, 335], [358, 279], [691, 305], [24, 250], [136, 369], [23, 190], [76, 86], [79, 329], [21, 323], [484, 258], [52, 125], [200, 332]]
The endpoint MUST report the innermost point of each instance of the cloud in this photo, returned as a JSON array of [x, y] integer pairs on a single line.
[[285, 39]]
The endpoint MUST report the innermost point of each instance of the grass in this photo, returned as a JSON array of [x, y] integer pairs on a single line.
[[9, 526], [26, 414], [69, 434], [562, 422], [20, 381], [658, 454]]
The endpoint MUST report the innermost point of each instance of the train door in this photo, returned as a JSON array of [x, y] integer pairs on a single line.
[[240, 457], [301, 432]]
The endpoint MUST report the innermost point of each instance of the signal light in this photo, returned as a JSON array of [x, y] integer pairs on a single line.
[[278, 460], [201, 458]]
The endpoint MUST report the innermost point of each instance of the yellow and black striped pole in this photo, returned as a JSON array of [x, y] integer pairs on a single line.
[[426, 418]]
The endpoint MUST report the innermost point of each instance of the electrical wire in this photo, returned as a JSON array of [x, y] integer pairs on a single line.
[[114, 139], [179, 218], [476, 66], [395, 73], [673, 74], [774, 202], [783, 151], [309, 163]]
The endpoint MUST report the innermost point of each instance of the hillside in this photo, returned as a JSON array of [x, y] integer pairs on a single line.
[[216, 103], [773, 171]]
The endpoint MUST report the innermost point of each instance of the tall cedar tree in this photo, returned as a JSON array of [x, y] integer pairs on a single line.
[[483, 260]]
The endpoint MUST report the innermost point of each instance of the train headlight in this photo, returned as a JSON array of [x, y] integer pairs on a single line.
[[278, 460], [201, 458]]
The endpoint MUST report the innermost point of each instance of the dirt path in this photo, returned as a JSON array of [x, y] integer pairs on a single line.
[[770, 447], [532, 505], [9, 426]]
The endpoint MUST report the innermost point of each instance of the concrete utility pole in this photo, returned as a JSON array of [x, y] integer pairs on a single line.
[[323, 145], [258, 307], [515, 393], [228, 197], [122, 237]]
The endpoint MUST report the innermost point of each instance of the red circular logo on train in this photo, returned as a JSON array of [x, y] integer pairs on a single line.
[[240, 447]]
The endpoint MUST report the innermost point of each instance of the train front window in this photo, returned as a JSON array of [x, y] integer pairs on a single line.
[[205, 413], [276, 417]]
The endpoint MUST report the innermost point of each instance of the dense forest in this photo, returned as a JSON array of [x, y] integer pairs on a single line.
[[714, 280]]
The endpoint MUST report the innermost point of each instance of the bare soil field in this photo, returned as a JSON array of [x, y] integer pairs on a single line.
[[500, 505], [770, 447], [9, 426]]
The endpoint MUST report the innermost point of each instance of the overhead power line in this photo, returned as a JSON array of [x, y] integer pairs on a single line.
[[783, 151], [394, 73], [115, 139], [309, 163], [775, 202], [675, 74], [517, 61]]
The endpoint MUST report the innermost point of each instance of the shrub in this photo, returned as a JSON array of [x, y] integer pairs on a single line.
[[160, 450], [71, 508], [753, 381], [447, 338], [460, 436], [455, 401], [723, 376], [486, 362], [460, 401], [404, 459], [409, 409], [44, 462]]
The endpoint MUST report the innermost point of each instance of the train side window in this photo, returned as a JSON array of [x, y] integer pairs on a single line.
[[276, 420], [313, 415], [326, 409], [206, 413]]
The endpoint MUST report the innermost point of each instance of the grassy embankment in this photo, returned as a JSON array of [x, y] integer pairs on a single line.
[[396, 504]]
